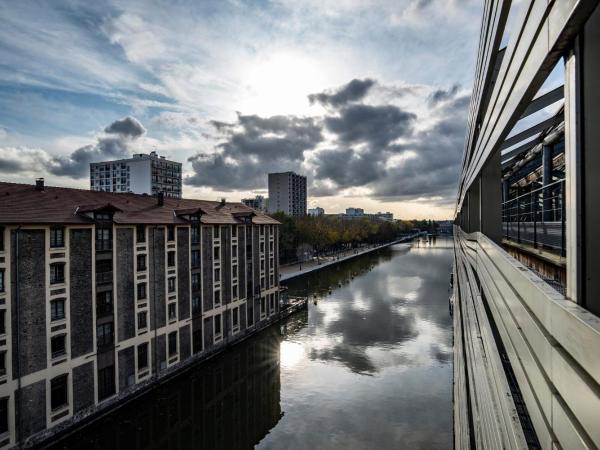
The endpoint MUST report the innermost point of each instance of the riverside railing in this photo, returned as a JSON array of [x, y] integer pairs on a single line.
[[537, 217]]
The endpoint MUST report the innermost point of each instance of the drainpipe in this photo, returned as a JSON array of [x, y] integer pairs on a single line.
[[16, 356]]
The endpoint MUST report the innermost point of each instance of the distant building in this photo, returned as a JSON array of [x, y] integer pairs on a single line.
[[259, 203], [141, 174], [359, 213], [355, 212], [316, 211], [287, 193]]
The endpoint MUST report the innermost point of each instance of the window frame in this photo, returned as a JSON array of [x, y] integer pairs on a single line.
[[56, 301], [62, 390], [55, 240], [53, 274]]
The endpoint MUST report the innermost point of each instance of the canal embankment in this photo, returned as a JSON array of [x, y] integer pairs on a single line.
[[290, 271]]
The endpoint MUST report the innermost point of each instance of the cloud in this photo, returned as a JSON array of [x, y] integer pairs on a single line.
[[442, 95], [353, 91], [377, 149], [119, 136], [374, 125], [252, 146], [126, 127]]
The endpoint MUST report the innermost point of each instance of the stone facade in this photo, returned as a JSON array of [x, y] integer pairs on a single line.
[[119, 313]]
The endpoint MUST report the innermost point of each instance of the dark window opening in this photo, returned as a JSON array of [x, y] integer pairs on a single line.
[[58, 345], [106, 382], [140, 234], [57, 237], [57, 273], [59, 395], [142, 354], [57, 309], [171, 233], [172, 343]]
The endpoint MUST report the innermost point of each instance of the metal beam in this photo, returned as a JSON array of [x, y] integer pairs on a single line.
[[530, 132], [544, 100], [521, 149]]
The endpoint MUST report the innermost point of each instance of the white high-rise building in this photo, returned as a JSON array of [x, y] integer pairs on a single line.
[[140, 174], [287, 193]]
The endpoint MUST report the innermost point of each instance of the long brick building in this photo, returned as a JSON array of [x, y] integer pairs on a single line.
[[101, 294]]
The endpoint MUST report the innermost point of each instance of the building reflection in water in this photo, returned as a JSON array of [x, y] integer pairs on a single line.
[[228, 403]]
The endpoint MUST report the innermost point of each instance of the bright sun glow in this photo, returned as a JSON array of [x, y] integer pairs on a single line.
[[280, 84], [291, 354]]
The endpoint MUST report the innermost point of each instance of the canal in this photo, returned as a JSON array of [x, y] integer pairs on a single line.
[[368, 366]]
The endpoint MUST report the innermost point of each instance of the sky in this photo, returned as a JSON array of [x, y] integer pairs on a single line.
[[366, 98]]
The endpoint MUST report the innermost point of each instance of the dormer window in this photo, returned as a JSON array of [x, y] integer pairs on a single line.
[[102, 216]]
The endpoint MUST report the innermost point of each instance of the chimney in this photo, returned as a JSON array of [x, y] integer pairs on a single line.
[[161, 198], [222, 202], [39, 184]]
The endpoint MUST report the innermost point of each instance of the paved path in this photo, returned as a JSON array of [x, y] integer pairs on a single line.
[[293, 270]]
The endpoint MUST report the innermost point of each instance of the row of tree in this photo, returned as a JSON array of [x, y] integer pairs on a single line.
[[304, 236]]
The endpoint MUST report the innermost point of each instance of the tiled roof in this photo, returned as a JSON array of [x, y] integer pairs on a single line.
[[23, 204]]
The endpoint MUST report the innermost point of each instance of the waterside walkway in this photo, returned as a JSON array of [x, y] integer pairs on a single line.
[[294, 270]]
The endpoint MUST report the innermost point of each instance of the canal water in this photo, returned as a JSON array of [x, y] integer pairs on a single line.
[[368, 366]]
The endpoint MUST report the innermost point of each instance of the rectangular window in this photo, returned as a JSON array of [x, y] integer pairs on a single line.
[[57, 309], [142, 356], [271, 280], [216, 231], [103, 239], [195, 281], [250, 314], [104, 334], [262, 247], [195, 234], [2, 321], [57, 273], [171, 233], [271, 247], [172, 343], [234, 270], [142, 320], [234, 251], [57, 237], [234, 231], [262, 282], [106, 382], [196, 305], [140, 234], [235, 318], [171, 259], [262, 230], [262, 306], [234, 291], [59, 392], [217, 275], [262, 264], [141, 291], [3, 415], [272, 302], [217, 297], [171, 284], [1, 239], [2, 364], [217, 325], [104, 303], [57, 345], [172, 309], [217, 254], [141, 263], [195, 258], [2, 287]]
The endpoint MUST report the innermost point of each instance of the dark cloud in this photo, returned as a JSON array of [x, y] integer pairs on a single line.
[[374, 146], [252, 147], [353, 91], [374, 125], [429, 160], [121, 133], [127, 127], [8, 166], [441, 95]]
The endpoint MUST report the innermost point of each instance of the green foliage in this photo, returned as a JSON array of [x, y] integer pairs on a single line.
[[326, 233]]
